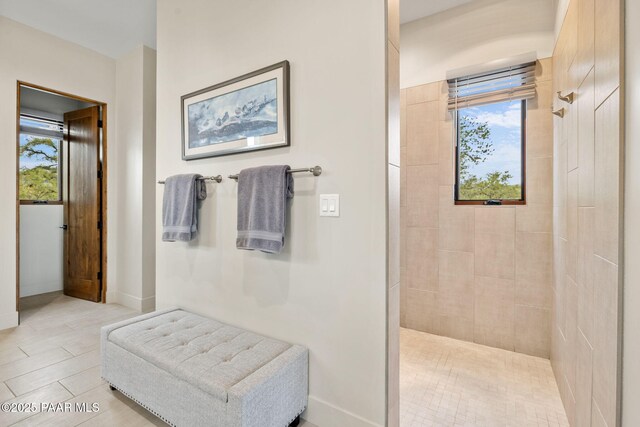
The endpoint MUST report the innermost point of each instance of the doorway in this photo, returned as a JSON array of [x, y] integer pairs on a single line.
[[61, 194]]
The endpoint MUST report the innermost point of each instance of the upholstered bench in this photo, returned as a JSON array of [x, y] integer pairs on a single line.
[[193, 371]]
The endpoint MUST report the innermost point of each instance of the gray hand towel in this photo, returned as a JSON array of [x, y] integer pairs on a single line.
[[262, 207], [180, 207]]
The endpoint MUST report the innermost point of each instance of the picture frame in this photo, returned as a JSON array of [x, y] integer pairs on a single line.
[[244, 114]]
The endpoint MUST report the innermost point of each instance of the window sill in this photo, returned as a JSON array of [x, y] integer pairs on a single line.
[[482, 202], [41, 203]]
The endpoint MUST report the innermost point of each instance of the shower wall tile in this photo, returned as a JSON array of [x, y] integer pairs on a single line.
[[422, 258], [423, 193], [539, 132], [585, 280], [587, 201], [446, 153], [571, 332], [544, 71], [403, 298], [584, 372], [607, 180], [607, 46], [494, 312], [605, 343], [422, 133], [596, 416], [534, 257], [421, 310], [457, 229], [403, 176], [496, 220], [539, 180], [393, 225], [495, 255], [403, 117], [467, 272], [586, 141], [534, 218], [455, 327], [393, 357], [423, 93], [455, 285], [532, 330], [586, 37], [572, 224]]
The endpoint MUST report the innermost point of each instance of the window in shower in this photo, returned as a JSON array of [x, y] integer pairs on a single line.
[[490, 153], [489, 110]]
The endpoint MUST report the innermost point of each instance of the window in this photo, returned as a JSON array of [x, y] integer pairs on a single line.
[[489, 110], [490, 152], [40, 143]]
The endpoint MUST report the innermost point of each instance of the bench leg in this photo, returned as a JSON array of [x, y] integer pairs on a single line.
[[295, 422], [112, 388]]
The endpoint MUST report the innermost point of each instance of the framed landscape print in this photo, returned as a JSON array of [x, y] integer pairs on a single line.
[[248, 113]]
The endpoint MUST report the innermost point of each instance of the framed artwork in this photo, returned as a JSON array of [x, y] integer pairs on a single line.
[[248, 113]]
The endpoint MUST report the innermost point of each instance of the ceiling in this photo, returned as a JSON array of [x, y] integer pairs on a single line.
[[115, 27], [410, 10], [112, 27], [47, 102]]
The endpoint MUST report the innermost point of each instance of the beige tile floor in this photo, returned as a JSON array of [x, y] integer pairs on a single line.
[[446, 382], [53, 356]]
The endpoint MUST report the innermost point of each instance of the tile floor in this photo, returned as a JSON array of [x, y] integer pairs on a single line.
[[446, 382], [54, 356]]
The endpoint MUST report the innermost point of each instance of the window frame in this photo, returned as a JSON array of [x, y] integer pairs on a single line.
[[60, 200], [523, 160]]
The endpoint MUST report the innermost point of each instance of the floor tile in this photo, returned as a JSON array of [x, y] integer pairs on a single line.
[[83, 381], [53, 393], [446, 382], [54, 355], [58, 371]]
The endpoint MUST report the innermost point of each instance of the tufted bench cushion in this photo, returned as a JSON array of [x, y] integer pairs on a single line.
[[222, 368]]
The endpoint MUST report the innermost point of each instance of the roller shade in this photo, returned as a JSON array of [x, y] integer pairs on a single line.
[[509, 83]]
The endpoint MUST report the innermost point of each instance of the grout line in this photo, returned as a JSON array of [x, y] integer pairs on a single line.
[[63, 386], [10, 391]]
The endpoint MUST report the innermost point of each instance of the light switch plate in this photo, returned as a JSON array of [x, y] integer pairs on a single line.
[[329, 205]]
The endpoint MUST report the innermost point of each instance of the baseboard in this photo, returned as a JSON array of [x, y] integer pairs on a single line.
[[148, 304], [325, 414], [8, 320], [111, 297], [143, 305]]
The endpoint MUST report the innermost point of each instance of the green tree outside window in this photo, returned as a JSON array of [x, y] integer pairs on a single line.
[[39, 180], [475, 147]]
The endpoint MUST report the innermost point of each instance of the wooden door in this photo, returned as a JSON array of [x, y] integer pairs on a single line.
[[82, 205]]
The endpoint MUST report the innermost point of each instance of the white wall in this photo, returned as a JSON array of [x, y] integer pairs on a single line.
[[481, 31], [59, 65], [327, 290], [41, 244], [631, 333], [135, 175]]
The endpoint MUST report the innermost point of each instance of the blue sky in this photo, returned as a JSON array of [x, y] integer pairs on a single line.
[[504, 120], [31, 162]]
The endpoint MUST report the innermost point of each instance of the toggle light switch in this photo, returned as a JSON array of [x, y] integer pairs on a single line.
[[329, 205]]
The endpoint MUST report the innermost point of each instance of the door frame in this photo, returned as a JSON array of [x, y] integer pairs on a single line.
[[103, 208]]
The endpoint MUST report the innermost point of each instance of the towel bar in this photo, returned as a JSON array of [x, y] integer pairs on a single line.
[[217, 178], [316, 171]]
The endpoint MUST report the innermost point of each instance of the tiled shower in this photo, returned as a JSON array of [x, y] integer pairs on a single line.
[[476, 273]]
